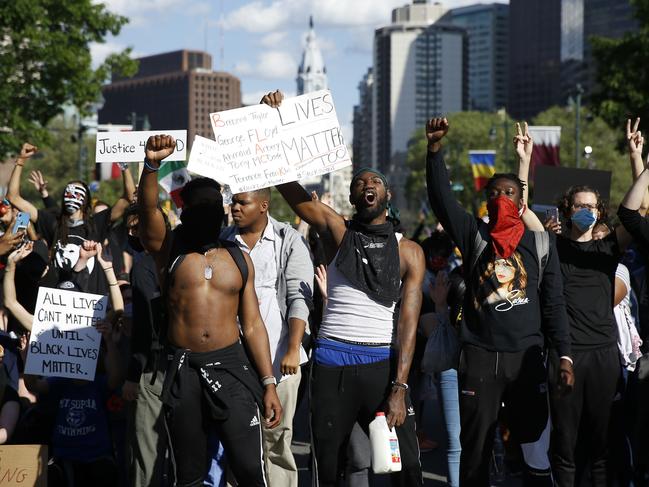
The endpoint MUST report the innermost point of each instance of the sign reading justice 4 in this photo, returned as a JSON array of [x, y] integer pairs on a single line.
[[259, 146], [64, 341], [129, 146]]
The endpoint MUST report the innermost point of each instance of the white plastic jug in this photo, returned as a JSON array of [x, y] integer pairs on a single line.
[[386, 457]]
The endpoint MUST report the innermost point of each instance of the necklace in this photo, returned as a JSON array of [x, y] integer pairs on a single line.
[[207, 273]]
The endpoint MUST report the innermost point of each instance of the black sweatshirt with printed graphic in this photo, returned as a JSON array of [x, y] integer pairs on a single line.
[[505, 309]]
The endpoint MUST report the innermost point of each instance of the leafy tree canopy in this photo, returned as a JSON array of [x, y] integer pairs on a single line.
[[45, 62], [622, 79]]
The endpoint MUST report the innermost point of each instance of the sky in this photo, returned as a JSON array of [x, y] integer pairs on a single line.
[[261, 41]]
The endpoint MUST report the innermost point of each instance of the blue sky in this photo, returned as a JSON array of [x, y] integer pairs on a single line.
[[261, 41]]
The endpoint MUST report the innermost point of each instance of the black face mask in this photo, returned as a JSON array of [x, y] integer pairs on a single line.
[[135, 244], [202, 224]]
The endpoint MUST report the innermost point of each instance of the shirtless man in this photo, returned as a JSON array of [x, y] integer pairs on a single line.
[[207, 284], [362, 355]]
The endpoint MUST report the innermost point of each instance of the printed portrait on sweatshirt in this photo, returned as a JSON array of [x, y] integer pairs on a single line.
[[502, 284]]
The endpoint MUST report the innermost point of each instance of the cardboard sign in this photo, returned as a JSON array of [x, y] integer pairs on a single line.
[[129, 146], [259, 146], [23, 465], [64, 341]]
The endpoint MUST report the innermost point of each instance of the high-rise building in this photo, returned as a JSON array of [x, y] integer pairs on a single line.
[[552, 54], [362, 144], [312, 72], [580, 20], [418, 72], [534, 53], [174, 90], [487, 27]]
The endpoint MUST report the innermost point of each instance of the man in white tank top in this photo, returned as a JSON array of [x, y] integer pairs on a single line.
[[362, 355]]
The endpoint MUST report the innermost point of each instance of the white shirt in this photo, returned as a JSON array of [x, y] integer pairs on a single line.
[[264, 259]]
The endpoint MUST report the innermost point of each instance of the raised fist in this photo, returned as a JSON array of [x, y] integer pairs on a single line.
[[273, 99], [436, 128], [27, 151], [159, 146]]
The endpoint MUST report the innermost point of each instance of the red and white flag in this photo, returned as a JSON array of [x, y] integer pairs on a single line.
[[546, 145]]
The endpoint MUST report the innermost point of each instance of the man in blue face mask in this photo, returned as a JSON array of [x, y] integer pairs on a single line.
[[588, 268]]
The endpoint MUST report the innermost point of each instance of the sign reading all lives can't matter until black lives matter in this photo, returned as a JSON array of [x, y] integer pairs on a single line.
[[64, 340]]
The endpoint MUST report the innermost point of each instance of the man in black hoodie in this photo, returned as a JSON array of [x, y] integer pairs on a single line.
[[513, 307]]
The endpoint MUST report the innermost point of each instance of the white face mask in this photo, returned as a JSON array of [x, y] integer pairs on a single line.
[[74, 198]]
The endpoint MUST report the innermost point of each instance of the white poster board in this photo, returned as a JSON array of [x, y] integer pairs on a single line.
[[64, 341], [129, 146], [259, 146], [204, 159]]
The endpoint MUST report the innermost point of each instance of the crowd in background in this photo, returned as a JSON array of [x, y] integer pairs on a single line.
[[593, 294]]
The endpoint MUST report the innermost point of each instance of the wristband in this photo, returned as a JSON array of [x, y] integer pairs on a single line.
[[268, 380], [565, 357], [401, 385], [112, 284], [149, 166], [107, 268]]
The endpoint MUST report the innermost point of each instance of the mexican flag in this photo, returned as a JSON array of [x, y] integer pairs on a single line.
[[172, 177]]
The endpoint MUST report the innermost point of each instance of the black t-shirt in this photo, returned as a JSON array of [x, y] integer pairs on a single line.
[[588, 270], [65, 256], [146, 315]]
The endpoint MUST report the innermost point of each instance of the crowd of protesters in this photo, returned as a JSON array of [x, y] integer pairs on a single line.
[[531, 329]]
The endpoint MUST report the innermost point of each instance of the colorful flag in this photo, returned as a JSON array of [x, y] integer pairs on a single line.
[[546, 146], [172, 177], [483, 165]]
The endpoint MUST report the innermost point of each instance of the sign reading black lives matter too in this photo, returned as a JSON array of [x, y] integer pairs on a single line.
[[128, 146], [258, 146], [64, 341]]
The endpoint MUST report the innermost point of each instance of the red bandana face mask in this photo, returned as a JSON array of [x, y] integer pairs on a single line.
[[505, 225]]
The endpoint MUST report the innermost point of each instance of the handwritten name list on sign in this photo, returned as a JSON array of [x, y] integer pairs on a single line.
[[259, 146], [64, 341], [129, 146]]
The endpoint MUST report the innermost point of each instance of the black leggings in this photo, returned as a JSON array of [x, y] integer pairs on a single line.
[[340, 396], [190, 423]]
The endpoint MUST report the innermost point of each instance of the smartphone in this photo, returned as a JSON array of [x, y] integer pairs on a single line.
[[22, 220], [552, 213]]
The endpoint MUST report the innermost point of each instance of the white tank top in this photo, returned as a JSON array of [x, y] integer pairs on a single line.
[[351, 315]]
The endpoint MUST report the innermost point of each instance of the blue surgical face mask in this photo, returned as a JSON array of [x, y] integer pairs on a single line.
[[584, 219]]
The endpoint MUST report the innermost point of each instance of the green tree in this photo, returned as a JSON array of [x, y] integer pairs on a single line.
[[469, 131], [596, 133], [45, 63], [622, 81]]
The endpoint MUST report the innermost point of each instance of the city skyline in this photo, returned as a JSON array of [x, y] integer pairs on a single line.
[[262, 40]]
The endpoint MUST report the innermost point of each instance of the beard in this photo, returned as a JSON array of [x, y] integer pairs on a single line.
[[366, 214]]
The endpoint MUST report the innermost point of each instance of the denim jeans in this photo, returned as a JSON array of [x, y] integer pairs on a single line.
[[448, 391]]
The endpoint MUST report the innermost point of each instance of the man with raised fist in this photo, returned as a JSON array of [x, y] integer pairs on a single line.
[[207, 283]]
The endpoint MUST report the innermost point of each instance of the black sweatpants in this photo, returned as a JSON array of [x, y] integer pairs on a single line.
[[581, 418], [190, 424], [487, 379], [340, 396]]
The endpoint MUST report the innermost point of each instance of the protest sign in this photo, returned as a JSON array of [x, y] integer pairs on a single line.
[[204, 159], [64, 341], [129, 146], [23, 465], [259, 146]]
